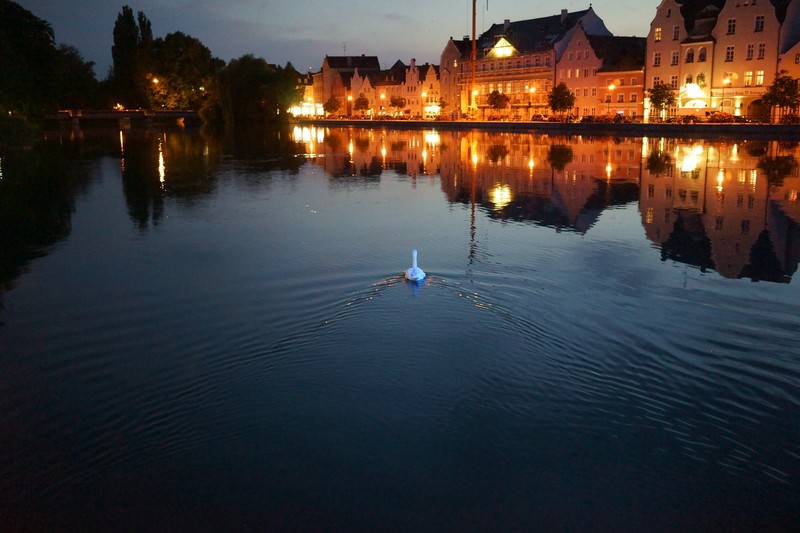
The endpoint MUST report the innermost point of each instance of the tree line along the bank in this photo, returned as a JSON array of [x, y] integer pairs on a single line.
[[176, 71]]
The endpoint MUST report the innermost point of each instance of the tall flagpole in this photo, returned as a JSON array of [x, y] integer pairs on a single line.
[[473, 60]]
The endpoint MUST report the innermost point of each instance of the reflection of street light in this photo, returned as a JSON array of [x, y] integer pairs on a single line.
[[611, 87], [474, 100]]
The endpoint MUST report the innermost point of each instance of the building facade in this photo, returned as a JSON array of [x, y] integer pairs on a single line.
[[720, 56], [605, 73], [518, 59]]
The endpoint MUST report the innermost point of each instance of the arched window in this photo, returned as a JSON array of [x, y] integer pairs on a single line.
[[701, 56], [690, 55]]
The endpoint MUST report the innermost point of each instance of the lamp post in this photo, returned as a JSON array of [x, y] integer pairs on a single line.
[[349, 104], [611, 88]]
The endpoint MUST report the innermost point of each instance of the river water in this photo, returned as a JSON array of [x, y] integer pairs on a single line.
[[206, 335]]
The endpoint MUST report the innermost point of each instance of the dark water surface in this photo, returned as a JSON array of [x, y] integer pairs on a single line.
[[195, 336]]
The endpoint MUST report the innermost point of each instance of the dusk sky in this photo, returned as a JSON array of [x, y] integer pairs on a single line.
[[304, 31]]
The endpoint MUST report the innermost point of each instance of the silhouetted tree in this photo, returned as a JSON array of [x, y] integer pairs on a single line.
[[27, 60], [185, 69], [497, 100], [131, 53], [661, 97], [783, 93], [36, 77], [361, 103], [332, 105], [561, 99]]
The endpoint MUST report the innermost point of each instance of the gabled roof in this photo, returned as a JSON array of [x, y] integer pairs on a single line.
[[619, 53], [533, 34], [361, 62], [464, 47]]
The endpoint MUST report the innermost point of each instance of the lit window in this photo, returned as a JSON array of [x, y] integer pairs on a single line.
[[657, 36], [760, 77], [748, 78]]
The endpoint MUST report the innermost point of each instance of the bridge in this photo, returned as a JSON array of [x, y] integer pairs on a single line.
[[125, 118]]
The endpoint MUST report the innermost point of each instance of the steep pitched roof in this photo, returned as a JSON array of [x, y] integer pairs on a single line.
[[362, 62], [533, 34], [464, 46], [619, 53]]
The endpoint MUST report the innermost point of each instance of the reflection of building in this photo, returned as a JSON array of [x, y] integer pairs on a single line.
[[343, 152], [711, 205], [515, 176]]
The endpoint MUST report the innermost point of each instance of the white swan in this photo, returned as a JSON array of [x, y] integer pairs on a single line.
[[415, 273]]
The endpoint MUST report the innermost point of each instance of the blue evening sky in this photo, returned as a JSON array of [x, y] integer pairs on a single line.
[[304, 31]]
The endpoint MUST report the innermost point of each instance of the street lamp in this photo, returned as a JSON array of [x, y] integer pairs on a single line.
[[349, 103], [611, 87]]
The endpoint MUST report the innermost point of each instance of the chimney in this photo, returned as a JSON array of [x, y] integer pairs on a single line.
[[563, 16], [506, 24]]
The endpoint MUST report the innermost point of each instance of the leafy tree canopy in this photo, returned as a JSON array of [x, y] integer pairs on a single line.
[[783, 92], [497, 100], [661, 96], [561, 99], [36, 77]]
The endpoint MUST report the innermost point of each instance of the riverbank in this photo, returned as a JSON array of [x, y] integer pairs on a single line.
[[688, 131]]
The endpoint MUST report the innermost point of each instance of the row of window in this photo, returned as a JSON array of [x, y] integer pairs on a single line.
[[506, 64], [750, 54], [578, 55], [749, 78], [758, 26]]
